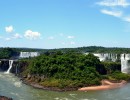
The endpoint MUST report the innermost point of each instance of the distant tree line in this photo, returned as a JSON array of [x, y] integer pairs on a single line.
[[95, 49], [9, 52]]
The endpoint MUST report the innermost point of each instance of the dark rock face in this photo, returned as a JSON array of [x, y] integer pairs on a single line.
[[5, 98], [4, 65]]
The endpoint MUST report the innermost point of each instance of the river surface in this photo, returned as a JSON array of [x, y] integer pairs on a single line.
[[12, 87]]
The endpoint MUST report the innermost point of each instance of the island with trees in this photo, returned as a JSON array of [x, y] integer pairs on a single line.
[[70, 70]]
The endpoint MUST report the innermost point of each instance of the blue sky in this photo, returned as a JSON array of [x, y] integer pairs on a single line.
[[64, 23]]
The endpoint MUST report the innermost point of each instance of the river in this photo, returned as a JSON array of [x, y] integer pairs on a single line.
[[12, 87]]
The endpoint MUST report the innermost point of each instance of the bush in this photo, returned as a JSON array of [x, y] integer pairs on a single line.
[[120, 76]]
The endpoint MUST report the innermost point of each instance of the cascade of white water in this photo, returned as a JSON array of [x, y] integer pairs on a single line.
[[125, 63], [113, 57], [125, 60], [106, 56], [101, 56], [10, 66], [29, 54]]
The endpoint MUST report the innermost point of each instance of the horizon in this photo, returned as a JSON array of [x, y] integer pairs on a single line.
[[55, 24], [65, 48]]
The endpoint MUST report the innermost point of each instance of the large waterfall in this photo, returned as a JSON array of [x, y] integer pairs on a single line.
[[106, 56], [125, 63], [10, 66], [29, 54], [125, 60]]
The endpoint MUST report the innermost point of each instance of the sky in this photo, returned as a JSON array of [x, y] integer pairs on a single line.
[[50, 24]]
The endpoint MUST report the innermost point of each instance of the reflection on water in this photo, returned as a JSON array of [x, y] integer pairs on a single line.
[[11, 86]]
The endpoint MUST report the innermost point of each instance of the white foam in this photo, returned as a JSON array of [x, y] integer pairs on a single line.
[[0, 75], [56, 98], [14, 93], [73, 94], [17, 84], [84, 99], [61, 98]]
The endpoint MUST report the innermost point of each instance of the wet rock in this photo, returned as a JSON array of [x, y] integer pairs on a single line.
[[28, 76], [5, 98]]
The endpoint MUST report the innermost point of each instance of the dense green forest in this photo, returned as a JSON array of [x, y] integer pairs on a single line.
[[7, 53]]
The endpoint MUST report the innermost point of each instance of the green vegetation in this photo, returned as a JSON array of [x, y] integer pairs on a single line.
[[110, 67], [119, 76], [6, 53], [66, 69], [94, 49], [71, 70]]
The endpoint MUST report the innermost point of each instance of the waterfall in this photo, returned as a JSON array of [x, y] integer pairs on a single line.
[[125, 60], [10, 66], [101, 56], [29, 54], [106, 56], [125, 63]]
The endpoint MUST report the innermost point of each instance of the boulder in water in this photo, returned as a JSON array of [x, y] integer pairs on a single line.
[[5, 98]]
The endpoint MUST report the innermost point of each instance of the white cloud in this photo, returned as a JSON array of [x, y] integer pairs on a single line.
[[112, 13], [51, 38], [126, 19], [72, 42], [32, 35], [9, 29], [17, 36], [114, 3], [7, 39], [115, 8], [70, 37]]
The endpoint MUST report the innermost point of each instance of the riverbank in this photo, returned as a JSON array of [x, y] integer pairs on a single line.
[[38, 86], [106, 84]]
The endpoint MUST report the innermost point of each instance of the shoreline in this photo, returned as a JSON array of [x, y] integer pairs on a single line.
[[38, 86], [106, 85]]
